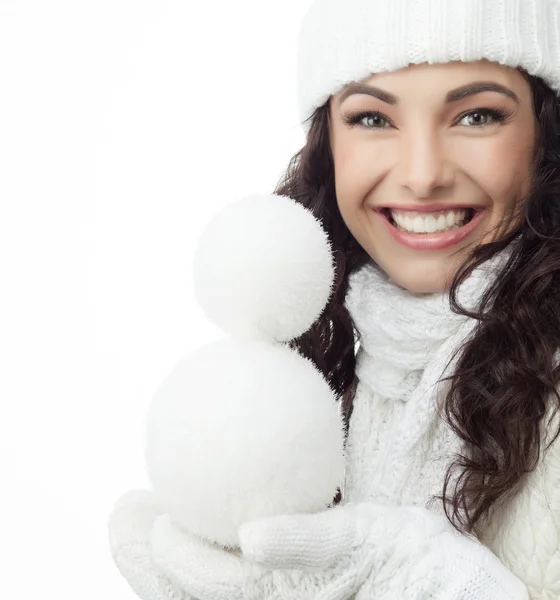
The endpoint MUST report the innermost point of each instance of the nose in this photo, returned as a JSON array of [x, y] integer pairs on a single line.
[[423, 166]]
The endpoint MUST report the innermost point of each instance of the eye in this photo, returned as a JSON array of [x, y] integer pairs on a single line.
[[480, 116], [373, 119]]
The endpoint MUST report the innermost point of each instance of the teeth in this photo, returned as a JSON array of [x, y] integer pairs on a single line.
[[415, 222]]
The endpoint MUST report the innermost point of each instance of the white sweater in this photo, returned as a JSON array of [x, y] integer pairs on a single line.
[[399, 449]]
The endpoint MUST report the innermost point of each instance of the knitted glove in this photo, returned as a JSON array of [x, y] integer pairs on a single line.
[[362, 551]]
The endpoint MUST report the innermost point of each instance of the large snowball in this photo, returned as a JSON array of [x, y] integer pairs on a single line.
[[263, 268], [243, 429]]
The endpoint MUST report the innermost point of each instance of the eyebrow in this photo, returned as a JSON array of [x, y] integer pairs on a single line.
[[453, 96]]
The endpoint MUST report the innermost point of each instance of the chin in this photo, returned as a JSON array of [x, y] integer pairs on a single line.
[[419, 281], [421, 287]]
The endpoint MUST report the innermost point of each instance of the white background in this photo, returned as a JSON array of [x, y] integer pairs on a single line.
[[125, 125]]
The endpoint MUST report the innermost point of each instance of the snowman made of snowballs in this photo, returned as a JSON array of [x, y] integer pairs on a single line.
[[246, 427]]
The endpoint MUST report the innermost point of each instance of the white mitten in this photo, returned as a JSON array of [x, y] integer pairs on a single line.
[[361, 551]]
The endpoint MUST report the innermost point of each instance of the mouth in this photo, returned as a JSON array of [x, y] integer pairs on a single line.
[[434, 230]]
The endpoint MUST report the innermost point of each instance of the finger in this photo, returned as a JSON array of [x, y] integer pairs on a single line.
[[205, 571], [306, 542]]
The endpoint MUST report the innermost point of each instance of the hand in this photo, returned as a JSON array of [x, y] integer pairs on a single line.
[[330, 555], [366, 550], [360, 551]]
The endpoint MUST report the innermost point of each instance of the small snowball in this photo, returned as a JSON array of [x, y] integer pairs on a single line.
[[263, 268]]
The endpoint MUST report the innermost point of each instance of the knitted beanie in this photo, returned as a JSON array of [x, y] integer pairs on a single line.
[[341, 41]]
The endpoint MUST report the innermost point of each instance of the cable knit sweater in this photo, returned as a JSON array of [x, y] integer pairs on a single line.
[[399, 449]]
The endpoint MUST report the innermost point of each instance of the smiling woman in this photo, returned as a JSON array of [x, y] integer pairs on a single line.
[[432, 161], [484, 297]]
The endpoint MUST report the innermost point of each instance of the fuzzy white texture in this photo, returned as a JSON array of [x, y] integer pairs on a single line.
[[341, 41], [243, 429], [263, 268]]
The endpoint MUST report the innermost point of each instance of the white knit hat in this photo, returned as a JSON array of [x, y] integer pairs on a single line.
[[341, 41]]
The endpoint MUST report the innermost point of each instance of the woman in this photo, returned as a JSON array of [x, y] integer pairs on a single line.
[[433, 161]]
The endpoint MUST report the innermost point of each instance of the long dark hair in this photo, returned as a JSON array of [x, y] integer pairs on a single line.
[[506, 377]]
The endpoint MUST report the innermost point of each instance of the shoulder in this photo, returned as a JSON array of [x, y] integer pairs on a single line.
[[525, 531]]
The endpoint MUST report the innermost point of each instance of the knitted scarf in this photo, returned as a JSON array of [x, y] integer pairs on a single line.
[[402, 331], [398, 448]]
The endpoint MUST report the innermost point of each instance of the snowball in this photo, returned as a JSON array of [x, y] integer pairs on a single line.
[[263, 268], [243, 429]]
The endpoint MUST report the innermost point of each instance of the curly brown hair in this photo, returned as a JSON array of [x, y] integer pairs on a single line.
[[506, 378]]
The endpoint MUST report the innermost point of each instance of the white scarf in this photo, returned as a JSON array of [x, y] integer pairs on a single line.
[[407, 340], [400, 331]]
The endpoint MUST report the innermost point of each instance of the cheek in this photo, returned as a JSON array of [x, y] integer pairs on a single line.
[[501, 168], [358, 166]]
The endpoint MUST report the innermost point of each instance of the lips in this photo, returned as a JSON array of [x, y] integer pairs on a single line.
[[432, 241]]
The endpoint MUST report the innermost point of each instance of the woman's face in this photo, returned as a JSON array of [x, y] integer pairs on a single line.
[[436, 152]]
